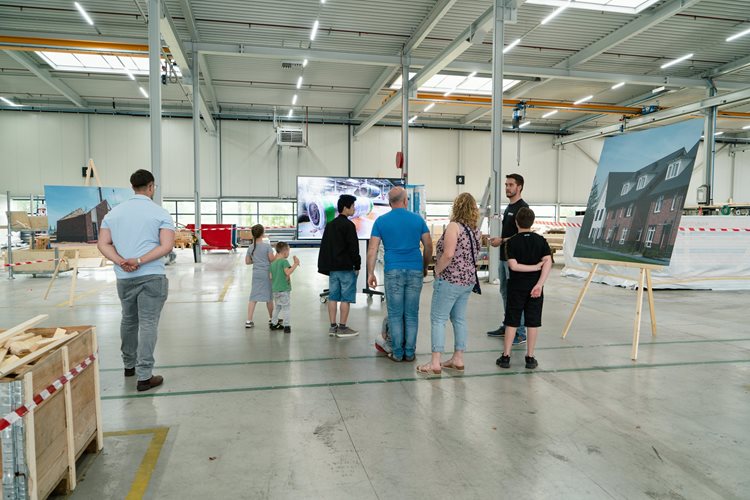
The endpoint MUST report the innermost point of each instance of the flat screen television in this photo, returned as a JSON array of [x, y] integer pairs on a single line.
[[317, 198]]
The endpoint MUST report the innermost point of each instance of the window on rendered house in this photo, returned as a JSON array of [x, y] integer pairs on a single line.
[[630, 210], [641, 182], [673, 169], [623, 235], [650, 236], [659, 201]]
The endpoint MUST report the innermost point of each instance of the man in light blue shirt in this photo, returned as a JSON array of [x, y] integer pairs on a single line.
[[405, 266], [135, 236]]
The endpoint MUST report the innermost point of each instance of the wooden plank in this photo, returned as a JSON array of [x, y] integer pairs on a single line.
[[30, 438], [51, 444], [651, 306], [54, 274], [97, 393], [71, 300], [638, 310], [24, 347], [636, 265], [9, 367], [22, 327], [580, 299], [69, 429]]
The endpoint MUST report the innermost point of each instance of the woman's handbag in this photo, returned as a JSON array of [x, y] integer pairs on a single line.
[[477, 288]]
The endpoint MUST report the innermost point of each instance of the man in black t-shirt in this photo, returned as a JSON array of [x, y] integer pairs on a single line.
[[513, 189], [530, 261]]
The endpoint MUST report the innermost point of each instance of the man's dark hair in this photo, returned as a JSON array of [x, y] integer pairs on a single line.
[[345, 201], [516, 177], [525, 218], [141, 178]]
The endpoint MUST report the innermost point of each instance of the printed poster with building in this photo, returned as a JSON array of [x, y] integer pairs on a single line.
[[75, 213], [634, 208]]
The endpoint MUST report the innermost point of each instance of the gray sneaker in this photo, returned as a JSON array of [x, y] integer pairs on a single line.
[[346, 332], [332, 331]]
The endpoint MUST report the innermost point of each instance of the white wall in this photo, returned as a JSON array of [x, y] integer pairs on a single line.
[[48, 148]]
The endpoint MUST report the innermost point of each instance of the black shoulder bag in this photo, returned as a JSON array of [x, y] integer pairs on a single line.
[[477, 288]]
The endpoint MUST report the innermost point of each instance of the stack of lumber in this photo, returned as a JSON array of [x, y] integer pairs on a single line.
[[183, 238], [19, 347], [555, 237]]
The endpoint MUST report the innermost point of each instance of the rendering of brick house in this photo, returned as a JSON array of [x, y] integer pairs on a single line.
[[82, 227], [637, 212]]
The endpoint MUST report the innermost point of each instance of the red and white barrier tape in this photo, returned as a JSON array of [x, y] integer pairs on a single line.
[[57, 384], [29, 262], [681, 228], [240, 228]]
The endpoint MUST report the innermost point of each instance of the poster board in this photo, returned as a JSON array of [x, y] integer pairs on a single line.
[[636, 199], [75, 213]]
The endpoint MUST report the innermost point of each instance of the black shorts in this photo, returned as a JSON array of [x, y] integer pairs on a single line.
[[520, 301]]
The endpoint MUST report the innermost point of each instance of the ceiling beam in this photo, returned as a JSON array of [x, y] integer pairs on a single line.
[[428, 23], [475, 115], [169, 34], [667, 114], [633, 28], [730, 67], [474, 33], [43, 74], [628, 102], [424, 28], [187, 14]]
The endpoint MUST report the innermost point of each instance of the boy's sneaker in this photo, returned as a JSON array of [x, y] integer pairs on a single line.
[[332, 331], [500, 332], [277, 326], [531, 362], [287, 329], [346, 332], [249, 324], [503, 361], [519, 340]]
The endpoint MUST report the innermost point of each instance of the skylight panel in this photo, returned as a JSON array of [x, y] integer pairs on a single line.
[[621, 6], [97, 63]]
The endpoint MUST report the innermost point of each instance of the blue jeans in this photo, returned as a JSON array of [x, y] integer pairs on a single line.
[[142, 299], [504, 277], [449, 301], [402, 290]]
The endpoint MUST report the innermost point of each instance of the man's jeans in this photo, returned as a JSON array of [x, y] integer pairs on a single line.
[[142, 300], [504, 277], [402, 290], [449, 301]]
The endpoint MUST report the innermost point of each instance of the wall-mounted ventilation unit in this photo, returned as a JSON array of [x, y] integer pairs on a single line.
[[286, 136]]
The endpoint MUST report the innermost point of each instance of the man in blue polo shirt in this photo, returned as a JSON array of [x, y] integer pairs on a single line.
[[135, 236], [405, 266]]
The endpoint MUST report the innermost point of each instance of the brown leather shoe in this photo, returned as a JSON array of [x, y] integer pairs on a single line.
[[155, 381]]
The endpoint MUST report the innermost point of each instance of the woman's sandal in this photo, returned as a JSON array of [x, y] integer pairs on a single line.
[[426, 369], [450, 365]]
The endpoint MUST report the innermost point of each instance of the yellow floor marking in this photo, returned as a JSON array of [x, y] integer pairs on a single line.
[[227, 284], [148, 464], [84, 294]]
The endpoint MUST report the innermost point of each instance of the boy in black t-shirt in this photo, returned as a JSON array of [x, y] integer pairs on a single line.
[[530, 261]]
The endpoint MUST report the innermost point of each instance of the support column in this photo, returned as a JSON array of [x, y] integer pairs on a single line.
[[86, 140], [406, 88], [710, 144], [154, 91], [496, 179], [197, 149]]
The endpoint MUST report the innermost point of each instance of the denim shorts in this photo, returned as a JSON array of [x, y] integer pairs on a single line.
[[342, 286]]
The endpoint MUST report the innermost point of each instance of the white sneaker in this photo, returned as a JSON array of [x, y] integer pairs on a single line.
[[249, 324], [346, 332]]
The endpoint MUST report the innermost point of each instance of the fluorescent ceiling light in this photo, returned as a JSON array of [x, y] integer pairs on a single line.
[[299, 82], [304, 63], [432, 105], [98, 63], [579, 101], [322, 1], [143, 91], [658, 89], [555, 13], [449, 92], [84, 13], [314, 31], [718, 133], [617, 85], [547, 115], [291, 112], [413, 119], [9, 102], [472, 74], [294, 100], [524, 124], [746, 127], [620, 6], [741, 33], [676, 61], [511, 45]]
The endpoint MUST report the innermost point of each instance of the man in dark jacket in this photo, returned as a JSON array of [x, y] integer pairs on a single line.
[[339, 259]]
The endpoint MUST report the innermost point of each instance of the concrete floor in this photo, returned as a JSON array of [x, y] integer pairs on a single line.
[[259, 414]]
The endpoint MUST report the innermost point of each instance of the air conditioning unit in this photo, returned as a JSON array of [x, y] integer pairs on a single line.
[[286, 136]]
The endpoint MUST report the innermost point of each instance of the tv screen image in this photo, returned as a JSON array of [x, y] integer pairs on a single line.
[[317, 198]]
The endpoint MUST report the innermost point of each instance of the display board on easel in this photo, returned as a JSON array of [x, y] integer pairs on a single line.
[[634, 207]]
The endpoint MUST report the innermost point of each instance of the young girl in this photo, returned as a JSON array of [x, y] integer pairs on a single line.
[[260, 255]]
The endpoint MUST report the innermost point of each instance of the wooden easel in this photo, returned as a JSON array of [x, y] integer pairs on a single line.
[[644, 275], [81, 251]]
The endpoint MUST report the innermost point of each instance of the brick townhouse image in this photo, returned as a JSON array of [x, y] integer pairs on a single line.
[[637, 212]]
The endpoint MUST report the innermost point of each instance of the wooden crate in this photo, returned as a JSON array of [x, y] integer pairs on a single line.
[[63, 427], [38, 267]]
